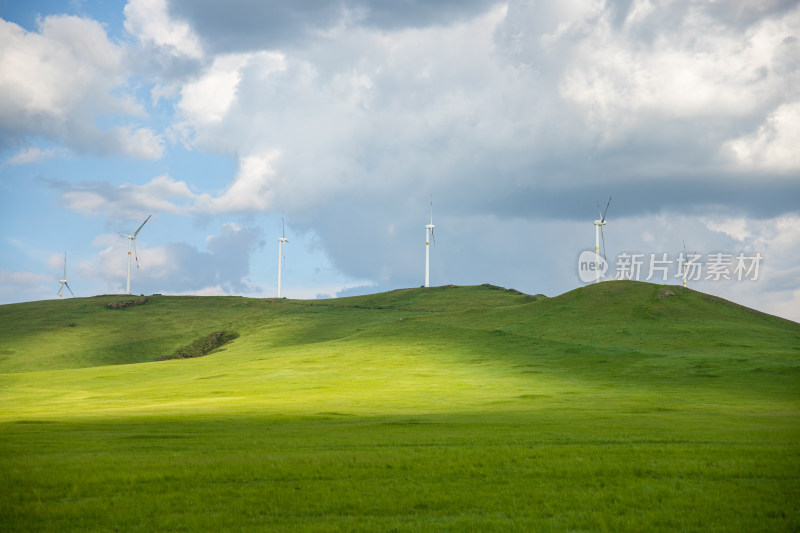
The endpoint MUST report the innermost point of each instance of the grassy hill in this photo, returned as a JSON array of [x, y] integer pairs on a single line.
[[616, 406], [85, 332]]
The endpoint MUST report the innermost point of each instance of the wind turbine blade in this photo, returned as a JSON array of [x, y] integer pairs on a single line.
[[433, 236], [135, 254], [61, 286], [603, 235], [140, 227], [283, 225], [606, 211], [70, 290], [65, 265]]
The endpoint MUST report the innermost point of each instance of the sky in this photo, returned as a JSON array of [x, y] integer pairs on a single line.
[[352, 122]]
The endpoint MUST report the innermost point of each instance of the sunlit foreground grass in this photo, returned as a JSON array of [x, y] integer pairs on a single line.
[[479, 410]]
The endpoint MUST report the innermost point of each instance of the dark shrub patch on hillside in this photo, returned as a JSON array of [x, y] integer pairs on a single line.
[[202, 346], [514, 291], [497, 288], [128, 303]]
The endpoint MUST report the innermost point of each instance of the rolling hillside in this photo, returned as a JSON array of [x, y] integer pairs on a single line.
[[84, 332], [617, 406], [430, 344], [620, 316]]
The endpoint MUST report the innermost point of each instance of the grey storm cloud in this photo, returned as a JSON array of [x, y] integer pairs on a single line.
[[179, 267], [251, 24], [558, 106]]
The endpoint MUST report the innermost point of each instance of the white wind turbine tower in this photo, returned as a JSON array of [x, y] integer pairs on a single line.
[[428, 236], [685, 263], [132, 242], [598, 233], [64, 281], [282, 239]]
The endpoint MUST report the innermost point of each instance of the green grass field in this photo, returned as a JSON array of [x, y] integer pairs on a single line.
[[621, 406]]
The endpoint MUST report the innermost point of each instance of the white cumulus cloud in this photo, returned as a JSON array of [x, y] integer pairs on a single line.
[[57, 81], [32, 154], [251, 189], [774, 145], [150, 22], [208, 98]]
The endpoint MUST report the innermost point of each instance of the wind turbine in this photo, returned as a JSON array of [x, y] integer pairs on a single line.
[[598, 233], [282, 239], [64, 281], [685, 263], [428, 236], [132, 242]]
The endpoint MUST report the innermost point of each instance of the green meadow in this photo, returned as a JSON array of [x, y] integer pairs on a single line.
[[620, 406]]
